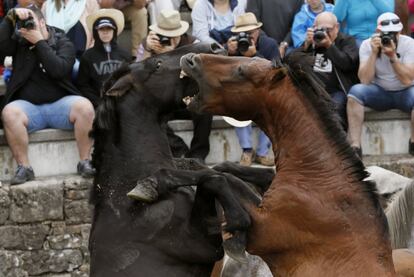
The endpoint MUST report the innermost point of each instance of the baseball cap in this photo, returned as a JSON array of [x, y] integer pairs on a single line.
[[389, 22]]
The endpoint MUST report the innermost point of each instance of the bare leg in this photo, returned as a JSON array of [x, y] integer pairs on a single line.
[[81, 115], [355, 113], [15, 126]]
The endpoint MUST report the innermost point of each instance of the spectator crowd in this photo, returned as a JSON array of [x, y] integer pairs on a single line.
[[59, 53]]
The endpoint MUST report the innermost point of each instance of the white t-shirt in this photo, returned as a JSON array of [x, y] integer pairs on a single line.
[[385, 75]]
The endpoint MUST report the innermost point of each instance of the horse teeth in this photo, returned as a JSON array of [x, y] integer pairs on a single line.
[[183, 74], [187, 100]]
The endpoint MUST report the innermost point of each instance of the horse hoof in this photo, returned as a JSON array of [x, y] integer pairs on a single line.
[[144, 190], [235, 250]]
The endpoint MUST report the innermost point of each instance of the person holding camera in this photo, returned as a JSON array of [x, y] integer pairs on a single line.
[[250, 41], [335, 59], [386, 72], [166, 35], [40, 94]]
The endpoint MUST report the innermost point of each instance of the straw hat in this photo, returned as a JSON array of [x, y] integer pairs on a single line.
[[235, 122], [116, 15], [169, 24], [246, 22]]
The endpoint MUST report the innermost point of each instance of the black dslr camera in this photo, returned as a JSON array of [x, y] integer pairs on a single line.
[[27, 23], [319, 34], [164, 41], [243, 41], [387, 37]]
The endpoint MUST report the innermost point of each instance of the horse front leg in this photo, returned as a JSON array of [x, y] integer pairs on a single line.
[[260, 178], [237, 219]]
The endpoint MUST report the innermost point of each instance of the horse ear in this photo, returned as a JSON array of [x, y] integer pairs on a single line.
[[120, 87], [279, 74]]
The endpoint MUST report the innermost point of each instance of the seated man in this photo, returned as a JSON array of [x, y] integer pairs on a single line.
[[250, 41], [170, 33], [336, 59], [386, 72], [40, 94]]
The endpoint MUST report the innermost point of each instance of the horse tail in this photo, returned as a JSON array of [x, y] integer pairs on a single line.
[[400, 215]]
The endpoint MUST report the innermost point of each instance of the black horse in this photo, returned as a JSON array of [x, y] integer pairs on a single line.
[[179, 235]]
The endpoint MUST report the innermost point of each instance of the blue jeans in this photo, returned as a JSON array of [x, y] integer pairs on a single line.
[[245, 139], [339, 97], [51, 115], [379, 99]]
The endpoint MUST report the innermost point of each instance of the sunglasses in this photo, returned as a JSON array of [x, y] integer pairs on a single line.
[[388, 21]]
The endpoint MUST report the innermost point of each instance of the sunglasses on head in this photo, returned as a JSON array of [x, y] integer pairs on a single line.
[[388, 21]]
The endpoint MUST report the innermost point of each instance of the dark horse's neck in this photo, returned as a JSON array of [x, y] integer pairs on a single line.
[[136, 149]]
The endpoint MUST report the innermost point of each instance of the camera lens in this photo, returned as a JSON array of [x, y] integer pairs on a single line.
[[319, 35], [243, 42], [164, 40]]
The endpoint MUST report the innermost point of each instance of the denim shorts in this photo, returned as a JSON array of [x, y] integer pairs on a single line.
[[51, 115], [377, 98]]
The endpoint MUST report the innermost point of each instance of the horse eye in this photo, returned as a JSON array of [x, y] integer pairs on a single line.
[[240, 71], [159, 63]]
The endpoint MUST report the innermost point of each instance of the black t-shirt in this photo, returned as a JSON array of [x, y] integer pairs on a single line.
[[40, 88], [323, 68]]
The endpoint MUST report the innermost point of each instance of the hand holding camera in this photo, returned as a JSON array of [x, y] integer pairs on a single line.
[[159, 43], [242, 43], [26, 26], [321, 37]]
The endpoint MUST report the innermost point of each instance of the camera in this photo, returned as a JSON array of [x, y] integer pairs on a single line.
[[387, 37], [243, 41], [164, 41], [27, 23], [319, 34]]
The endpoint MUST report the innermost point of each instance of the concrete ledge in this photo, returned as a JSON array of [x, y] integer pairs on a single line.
[[54, 152]]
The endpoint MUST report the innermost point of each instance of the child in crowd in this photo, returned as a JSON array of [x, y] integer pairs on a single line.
[[98, 62]]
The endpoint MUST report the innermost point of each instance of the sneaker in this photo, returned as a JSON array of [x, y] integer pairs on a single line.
[[23, 174], [410, 147], [85, 169], [246, 158], [264, 160], [358, 151]]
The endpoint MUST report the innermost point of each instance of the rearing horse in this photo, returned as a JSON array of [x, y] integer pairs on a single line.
[[318, 217], [179, 235]]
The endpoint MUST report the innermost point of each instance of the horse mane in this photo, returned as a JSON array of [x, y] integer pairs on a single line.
[[400, 215], [106, 120], [299, 65]]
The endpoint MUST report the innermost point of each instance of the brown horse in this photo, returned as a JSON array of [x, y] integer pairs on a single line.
[[318, 216]]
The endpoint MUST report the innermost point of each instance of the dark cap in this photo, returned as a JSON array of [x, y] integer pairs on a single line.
[[104, 22]]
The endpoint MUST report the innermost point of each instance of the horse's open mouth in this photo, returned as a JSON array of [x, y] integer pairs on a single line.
[[189, 70]]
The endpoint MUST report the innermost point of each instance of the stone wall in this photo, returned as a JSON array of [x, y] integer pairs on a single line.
[[44, 228]]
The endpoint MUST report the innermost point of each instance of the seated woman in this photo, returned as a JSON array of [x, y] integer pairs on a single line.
[[213, 19], [98, 62], [70, 16]]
